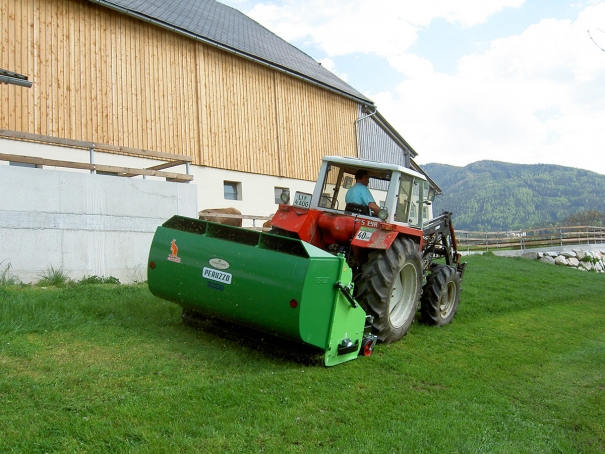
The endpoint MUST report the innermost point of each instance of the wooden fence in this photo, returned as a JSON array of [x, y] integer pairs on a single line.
[[533, 238]]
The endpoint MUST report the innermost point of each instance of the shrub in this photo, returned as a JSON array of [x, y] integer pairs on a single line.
[[99, 280], [53, 278]]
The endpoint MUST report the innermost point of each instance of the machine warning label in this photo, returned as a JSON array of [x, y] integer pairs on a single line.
[[215, 275]]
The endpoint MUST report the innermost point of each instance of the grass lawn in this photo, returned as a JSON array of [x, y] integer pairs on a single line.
[[111, 369]]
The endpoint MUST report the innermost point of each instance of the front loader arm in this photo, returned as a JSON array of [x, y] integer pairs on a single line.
[[440, 240]]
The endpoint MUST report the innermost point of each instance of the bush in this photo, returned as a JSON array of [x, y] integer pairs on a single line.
[[99, 280]]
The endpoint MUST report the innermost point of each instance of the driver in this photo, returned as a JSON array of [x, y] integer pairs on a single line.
[[359, 192]]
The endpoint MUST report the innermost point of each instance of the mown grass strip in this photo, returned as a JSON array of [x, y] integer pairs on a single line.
[[110, 368]]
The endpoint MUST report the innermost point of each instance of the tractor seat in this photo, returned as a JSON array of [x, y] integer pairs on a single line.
[[356, 208]]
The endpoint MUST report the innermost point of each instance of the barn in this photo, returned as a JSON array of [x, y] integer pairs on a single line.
[[186, 91]]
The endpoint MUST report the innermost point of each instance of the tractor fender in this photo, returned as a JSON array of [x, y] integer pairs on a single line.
[[373, 238], [360, 232]]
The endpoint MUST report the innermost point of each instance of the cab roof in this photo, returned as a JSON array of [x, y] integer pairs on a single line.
[[381, 170]]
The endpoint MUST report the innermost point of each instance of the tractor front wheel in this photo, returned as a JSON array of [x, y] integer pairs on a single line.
[[441, 296], [389, 288]]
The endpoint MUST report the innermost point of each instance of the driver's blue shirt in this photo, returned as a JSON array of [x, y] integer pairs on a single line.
[[359, 194]]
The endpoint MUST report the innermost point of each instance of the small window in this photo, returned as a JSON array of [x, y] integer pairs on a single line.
[[278, 192], [347, 182], [232, 190]]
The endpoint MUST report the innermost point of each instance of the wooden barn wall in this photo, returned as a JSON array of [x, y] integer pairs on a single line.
[[103, 77]]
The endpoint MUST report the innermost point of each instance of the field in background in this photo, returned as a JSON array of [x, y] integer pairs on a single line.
[[109, 368]]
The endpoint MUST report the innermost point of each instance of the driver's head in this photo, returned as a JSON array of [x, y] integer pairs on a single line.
[[360, 174]]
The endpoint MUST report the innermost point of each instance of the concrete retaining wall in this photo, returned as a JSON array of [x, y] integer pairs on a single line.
[[86, 224], [257, 195]]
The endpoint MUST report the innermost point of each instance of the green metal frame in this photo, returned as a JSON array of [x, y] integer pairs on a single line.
[[282, 286]]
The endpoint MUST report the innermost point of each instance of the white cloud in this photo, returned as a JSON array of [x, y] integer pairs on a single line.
[[383, 27], [490, 108], [493, 106]]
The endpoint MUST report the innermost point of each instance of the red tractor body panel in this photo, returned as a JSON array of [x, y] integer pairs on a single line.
[[322, 229]]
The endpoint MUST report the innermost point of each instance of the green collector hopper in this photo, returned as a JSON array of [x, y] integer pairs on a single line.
[[278, 285]]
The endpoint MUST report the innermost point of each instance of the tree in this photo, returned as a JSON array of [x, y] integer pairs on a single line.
[[592, 218]]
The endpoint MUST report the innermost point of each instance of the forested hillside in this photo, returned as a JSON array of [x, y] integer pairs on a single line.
[[494, 196]]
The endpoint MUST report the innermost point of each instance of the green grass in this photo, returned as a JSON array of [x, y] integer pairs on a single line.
[[53, 277], [110, 368], [6, 277]]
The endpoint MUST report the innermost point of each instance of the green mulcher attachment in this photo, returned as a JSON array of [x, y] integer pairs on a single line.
[[278, 285]]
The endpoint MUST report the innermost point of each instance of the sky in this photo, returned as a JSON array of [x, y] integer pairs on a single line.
[[462, 81]]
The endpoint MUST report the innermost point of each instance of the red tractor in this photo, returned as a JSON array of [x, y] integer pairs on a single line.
[[402, 259]]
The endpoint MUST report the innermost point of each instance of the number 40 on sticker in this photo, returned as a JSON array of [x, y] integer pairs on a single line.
[[364, 235]]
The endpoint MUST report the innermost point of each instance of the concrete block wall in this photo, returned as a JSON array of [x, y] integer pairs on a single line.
[[257, 191], [87, 224]]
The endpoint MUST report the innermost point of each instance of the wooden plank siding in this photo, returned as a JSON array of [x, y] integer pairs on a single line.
[[103, 77]]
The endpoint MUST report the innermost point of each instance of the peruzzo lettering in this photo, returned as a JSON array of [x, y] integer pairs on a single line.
[[216, 275]]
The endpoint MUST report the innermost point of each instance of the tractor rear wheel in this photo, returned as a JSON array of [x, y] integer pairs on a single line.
[[441, 296], [389, 288]]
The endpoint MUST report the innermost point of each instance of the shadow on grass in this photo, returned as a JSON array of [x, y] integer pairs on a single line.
[[266, 344]]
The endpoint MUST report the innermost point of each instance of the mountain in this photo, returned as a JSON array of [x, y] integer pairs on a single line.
[[496, 196]]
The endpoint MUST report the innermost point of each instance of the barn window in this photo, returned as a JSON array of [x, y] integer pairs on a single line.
[[278, 192], [232, 190]]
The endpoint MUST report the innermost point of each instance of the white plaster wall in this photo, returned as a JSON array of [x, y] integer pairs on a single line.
[[257, 191], [86, 224], [257, 199]]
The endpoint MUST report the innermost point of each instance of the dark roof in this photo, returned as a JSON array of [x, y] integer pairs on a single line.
[[232, 30]]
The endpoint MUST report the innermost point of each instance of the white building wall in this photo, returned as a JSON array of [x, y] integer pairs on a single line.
[[257, 197], [86, 224]]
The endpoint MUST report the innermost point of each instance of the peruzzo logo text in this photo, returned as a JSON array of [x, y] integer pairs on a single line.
[[216, 275]]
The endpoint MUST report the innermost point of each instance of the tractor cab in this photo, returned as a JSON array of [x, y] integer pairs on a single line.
[[401, 193]]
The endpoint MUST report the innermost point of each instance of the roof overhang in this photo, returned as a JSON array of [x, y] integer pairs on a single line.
[[434, 185], [392, 132]]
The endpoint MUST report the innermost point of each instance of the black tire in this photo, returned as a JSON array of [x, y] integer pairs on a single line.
[[440, 296], [389, 288]]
